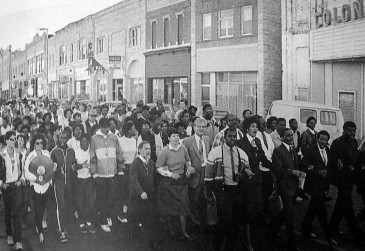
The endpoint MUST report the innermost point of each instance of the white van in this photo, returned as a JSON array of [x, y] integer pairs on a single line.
[[329, 118]]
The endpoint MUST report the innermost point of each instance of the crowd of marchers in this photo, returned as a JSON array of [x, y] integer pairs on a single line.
[[147, 170]]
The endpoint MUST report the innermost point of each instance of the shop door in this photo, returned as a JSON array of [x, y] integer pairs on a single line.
[[347, 105]]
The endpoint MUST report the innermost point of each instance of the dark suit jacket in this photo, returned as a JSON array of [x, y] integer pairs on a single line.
[[315, 184], [298, 146], [196, 160], [255, 156], [150, 137], [307, 140], [283, 163]]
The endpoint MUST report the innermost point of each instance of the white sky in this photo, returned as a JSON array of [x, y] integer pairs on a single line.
[[20, 20]]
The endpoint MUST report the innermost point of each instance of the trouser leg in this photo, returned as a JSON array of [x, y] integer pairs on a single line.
[[7, 197], [39, 201], [309, 216], [59, 189]]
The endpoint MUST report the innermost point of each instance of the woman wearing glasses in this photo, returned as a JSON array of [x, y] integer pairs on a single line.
[[40, 187]]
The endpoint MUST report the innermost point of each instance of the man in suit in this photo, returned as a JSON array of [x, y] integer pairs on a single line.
[[285, 168], [198, 147], [252, 194], [91, 122], [153, 136], [275, 135], [121, 114], [315, 164], [309, 137], [344, 165]]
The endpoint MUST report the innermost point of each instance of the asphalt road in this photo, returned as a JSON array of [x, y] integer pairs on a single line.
[[119, 239]]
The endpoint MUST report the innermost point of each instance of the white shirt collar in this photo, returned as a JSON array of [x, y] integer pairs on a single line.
[[174, 149], [249, 137], [197, 138], [287, 146], [320, 149], [143, 159], [312, 131]]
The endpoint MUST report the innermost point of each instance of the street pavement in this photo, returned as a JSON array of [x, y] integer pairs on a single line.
[[119, 238]]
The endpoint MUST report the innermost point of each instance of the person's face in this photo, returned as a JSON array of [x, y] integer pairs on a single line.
[[294, 125], [288, 137], [350, 132], [200, 128], [38, 145], [182, 104], [88, 108], [84, 143], [247, 114], [231, 138], [11, 141], [68, 115], [322, 141], [159, 105], [47, 119], [92, 118], [273, 125], [164, 127], [39, 120], [21, 141], [262, 127], [105, 130], [122, 109], [77, 133], [19, 129], [27, 110], [192, 112], [208, 113], [113, 126], [104, 112], [312, 123], [25, 122], [157, 125], [252, 130], [231, 121], [81, 108], [145, 151], [145, 128], [63, 139], [174, 139], [78, 118], [185, 118], [25, 131], [54, 109], [63, 105], [280, 126]]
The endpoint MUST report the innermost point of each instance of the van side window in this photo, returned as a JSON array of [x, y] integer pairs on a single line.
[[306, 113], [328, 118]]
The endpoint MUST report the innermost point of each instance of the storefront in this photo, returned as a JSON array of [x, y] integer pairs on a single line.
[[168, 75], [337, 55]]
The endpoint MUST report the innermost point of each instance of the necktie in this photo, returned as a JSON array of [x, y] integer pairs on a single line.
[[324, 157], [232, 164], [201, 147], [265, 140]]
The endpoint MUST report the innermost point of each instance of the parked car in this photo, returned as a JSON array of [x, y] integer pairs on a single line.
[[329, 118]]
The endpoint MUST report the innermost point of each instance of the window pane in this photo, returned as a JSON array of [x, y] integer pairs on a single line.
[[222, 77], [166, 27], [236, 77], [205, 78], [154, 35], [306, 113], [205, 93], [328, 118], [247, 27]]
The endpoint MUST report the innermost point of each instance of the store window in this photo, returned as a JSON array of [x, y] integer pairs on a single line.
[[180, 29], [63, 57], [81, 47], [134, 37], [246, 20], [137, 89], [72, 52], [117, 90], [226, 23], [170, 90], [102, 90], [237, 91], [153, 34], [207, 26], [205, 83], [100, 45], [83, 89]]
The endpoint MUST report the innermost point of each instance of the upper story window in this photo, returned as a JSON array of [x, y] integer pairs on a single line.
[[180, 29], [134, 36], [100, 45], [246, 20], [63, 55], [81, 49], [153, 34], [166, 32], [207, 26], [226, 23], [72, 52]]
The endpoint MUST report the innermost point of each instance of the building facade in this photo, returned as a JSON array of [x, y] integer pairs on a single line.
[[19, 74], [334, 52], [168, 51], [237, 54], [5, 72]]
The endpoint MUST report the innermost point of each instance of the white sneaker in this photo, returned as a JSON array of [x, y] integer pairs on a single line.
[[106, 228], [18, 246], [44, 224], [109, 220], [10, 241], [298, 199]]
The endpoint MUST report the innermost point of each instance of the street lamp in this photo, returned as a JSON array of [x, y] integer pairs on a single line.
[[46, 60]]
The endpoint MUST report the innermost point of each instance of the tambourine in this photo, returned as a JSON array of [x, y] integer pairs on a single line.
[[42, 167]]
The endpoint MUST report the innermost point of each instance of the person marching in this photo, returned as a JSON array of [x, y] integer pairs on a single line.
[[64, 157], [11, 180]]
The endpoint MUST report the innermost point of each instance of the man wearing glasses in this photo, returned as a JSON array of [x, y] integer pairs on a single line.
[[11, 179], [91, 122]]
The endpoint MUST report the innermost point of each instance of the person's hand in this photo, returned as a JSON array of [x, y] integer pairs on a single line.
[[296, 173], [249, 173], [41, 182], [310, 168], [246, 164], [54, 167], [5, 186], [323, 173], [175, 176], [239, 176], [351, 168], [18, 183], [144, 196]]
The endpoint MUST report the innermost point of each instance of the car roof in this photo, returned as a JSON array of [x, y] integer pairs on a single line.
[[296, 103]]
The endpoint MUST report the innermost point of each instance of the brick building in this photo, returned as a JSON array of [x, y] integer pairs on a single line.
[[5, 72], [168, 46], [325, 55], [237, 54]]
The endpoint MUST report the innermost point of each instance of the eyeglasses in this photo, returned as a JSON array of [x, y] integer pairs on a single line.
[[12, 139], [39, 143]]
